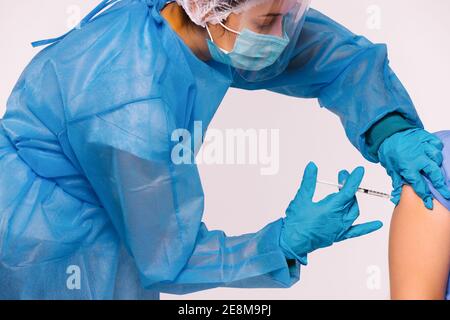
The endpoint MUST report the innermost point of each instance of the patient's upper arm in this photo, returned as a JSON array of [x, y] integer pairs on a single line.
[[419, 249]]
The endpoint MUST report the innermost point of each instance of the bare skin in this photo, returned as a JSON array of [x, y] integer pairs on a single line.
[[195, 36], [419, 249]]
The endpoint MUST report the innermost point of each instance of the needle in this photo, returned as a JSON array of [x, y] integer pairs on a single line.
[[362, 190]]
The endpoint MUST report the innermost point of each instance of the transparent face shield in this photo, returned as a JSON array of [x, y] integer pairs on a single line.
[[282, 19]]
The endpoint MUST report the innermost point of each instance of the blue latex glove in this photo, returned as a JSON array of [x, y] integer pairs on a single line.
[[411, 156], [309, 225]]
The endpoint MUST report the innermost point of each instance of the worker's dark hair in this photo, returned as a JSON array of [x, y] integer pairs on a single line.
[[184, 15]]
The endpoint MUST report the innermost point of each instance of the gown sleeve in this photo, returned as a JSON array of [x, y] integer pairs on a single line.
[[348, 74], [157, 207]]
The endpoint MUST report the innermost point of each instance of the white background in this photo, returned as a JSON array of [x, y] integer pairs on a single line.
[[239, 199]]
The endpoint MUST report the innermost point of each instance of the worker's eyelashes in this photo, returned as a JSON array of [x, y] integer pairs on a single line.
[[266, 23]]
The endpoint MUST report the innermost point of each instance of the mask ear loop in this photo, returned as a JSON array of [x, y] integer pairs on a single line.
[[209, 32], [226, 28], [229, 29], [212, 39]]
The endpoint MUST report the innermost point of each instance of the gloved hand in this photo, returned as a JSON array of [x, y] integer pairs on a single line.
[[309, 225], [408, 157]]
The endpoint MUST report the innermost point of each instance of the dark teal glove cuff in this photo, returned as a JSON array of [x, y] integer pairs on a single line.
[[385, 128]]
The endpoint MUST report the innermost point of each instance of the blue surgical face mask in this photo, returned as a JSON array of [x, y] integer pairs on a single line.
[[252, 51]]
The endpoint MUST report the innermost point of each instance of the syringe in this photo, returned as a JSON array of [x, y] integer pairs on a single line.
[[362, 190]]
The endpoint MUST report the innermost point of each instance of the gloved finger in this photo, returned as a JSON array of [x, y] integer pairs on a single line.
[[425, 136], [351, 186], [417, 182], [308, 185], [436, 177], [397, 185], [352, 214], [396, 199], [362, 229], [435, 141], [343, 176], [434, 154], [397, 181]]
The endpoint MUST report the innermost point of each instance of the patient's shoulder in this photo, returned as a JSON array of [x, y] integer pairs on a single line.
[[418, 249], [412, 205]]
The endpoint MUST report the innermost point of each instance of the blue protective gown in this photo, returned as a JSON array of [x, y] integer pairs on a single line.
[[91, 205]]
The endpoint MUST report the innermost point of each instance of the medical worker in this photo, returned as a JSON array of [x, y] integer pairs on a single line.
[[92, 205]]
